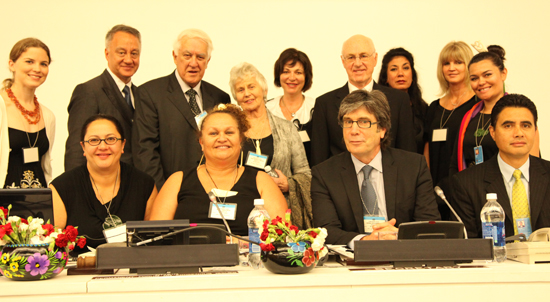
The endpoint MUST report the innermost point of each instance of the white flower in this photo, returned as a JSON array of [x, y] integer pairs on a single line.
[[36, 224], [323, 252], [316, 245], [2, 242], [37, 239], [14, 219], [23, 226], [322, 233], [51, 238]]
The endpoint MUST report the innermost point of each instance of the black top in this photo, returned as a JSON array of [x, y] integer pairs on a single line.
[[193, 201], [86, 211], [29, 175], [419, 119], [266, 145], [441, 152], [486, 141]]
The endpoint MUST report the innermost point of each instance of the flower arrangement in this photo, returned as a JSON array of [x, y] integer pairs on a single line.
[[32, 232], [306, 246]]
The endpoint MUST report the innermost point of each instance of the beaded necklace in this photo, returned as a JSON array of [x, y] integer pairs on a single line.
[[28, 115]]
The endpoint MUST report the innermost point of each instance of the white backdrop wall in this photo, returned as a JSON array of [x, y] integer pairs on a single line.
[[258, 31]]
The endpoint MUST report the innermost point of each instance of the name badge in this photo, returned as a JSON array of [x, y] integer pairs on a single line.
[[370, 220], [304, 136], [30, 155], [478, 153], [115, 234], [524, 226], [439, 135], [256, 160], [229, 211], [199, 118]]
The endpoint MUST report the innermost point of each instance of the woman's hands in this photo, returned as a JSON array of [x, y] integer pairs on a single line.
[[281, 182]]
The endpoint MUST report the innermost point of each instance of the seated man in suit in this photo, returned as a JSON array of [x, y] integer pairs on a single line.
[[110, 93], [521, 181], [165, 139], [359, 59], [354, 193]]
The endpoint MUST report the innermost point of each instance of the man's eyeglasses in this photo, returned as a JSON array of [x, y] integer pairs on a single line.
[[109, 141], [363, 124], [363, 57]]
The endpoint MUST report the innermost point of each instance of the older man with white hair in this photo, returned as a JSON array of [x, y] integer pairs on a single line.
[[167, 116]]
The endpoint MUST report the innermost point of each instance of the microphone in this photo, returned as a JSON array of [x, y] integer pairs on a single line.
[[192, 226], [213, 199], [440, 193]]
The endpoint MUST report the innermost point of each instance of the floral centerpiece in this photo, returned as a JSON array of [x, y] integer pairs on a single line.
[[34, 250], [284, 246]]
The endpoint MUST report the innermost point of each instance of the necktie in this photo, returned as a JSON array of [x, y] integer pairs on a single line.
[[520, 205], [368, 194], [191, 93], [128, 97]]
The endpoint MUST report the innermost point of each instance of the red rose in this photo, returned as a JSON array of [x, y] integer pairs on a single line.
[[313, 234], [81, 242], [71, 233], [263, 237], [48, 228], [295, 228], [279, 232], [267, 247], [61, 240], [5, 211]]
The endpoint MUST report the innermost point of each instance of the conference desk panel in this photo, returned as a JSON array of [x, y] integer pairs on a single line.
[[505, 281]]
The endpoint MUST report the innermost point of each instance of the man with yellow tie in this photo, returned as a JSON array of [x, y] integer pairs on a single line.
[[521, 181]]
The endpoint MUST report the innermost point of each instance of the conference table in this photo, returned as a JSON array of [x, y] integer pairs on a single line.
[[508, 281]]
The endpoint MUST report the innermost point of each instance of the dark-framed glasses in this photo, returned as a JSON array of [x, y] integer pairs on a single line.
[[363, 124], [109, 141]]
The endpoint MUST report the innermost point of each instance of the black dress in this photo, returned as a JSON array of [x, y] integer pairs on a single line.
[[266, 145], [86, 211], [29, 175], [193, 201]]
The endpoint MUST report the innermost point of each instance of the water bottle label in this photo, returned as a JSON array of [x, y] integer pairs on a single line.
[[495, 231], [253, 235]]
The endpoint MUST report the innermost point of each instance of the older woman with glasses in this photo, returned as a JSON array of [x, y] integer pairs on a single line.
[[105, 192]]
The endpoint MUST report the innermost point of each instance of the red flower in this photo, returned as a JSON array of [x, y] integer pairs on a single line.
[[7, 229], [295, 228], [279, 232], [2, 231], [313, 234], [23, 220], [276, 220], [81, 242], [71, 233], [61, 240], [309, 257], [267, 247], [264, 235], [5, 212], [49, 229]]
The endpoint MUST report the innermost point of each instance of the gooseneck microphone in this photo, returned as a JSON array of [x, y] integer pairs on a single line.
[[440, 193]]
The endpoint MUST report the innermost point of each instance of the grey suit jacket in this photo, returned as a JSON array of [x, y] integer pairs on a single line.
[[336, 197], [98, 95], [165, 134], [327, 139], [470, 187]]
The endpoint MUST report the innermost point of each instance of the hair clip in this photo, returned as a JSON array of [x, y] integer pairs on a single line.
[[222, 106], [477, 45]]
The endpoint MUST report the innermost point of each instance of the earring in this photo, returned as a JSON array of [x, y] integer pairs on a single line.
[[504, 87], [241, 158], [200, 162]]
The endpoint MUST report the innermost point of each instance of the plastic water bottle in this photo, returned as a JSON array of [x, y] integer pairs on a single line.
[[492, 224], [271, 172], [255, 221]]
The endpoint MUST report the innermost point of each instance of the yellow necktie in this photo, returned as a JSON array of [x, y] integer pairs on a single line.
[[520, 205]]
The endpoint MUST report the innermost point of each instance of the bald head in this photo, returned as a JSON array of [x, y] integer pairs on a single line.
[[359, 58]]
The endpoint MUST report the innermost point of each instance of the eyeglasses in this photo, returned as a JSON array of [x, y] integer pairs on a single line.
[[109, 141], [363, 57], [363, 124]]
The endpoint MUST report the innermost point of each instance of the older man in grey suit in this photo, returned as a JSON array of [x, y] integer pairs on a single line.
[[110, 93], [165, 139]]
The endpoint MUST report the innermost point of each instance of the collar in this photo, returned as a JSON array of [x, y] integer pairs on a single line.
[[368, 88], [508, 171], [119, 83], [185, 87], [376, 163]]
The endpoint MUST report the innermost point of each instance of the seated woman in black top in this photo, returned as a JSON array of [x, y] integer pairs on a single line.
[[185, 195], [105, 191]]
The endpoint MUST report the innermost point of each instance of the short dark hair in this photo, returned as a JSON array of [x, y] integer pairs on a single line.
[[101, 116], [495, 53], [292, 55], [376, 103], [124, 28], [415, 93], [516, 101]]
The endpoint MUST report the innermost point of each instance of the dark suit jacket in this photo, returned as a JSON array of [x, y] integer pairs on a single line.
[[165, 139], [336, 197], [98, 95], [469, 189], [327, 139]]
